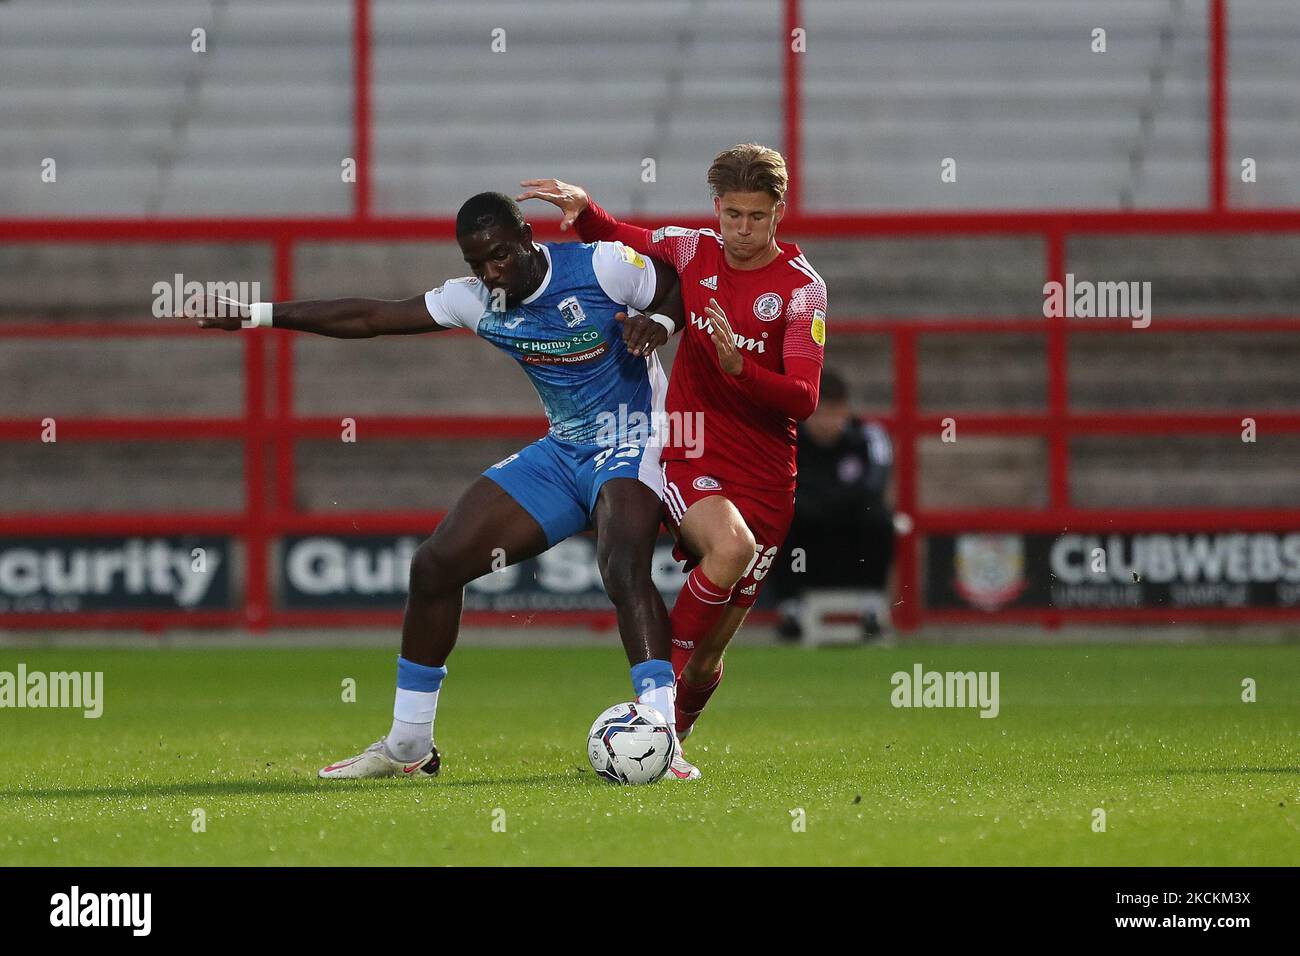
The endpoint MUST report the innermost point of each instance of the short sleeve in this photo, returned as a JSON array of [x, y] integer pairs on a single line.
[[805, 329], [676, 244], [457, 303], [624, 274]]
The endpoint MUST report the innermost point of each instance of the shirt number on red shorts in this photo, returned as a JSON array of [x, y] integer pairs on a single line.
[[761, 562]]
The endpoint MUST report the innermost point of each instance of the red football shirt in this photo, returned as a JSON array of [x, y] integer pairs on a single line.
[[778, 315]]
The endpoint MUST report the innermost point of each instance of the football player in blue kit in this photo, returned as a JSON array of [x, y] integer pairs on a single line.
[[558, 309]]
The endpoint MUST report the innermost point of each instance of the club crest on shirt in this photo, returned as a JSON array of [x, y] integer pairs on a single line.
[[768, 306], [571, 309], [705, 483]]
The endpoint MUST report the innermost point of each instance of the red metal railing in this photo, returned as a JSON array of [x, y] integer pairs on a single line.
[[271, 428]]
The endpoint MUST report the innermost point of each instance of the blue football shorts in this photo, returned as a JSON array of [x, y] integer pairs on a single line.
[[557, 482]]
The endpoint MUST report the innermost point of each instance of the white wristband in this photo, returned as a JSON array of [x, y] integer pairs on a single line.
[[259, 313], [669, 325]]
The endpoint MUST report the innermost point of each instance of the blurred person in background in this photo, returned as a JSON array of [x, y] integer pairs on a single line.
[[842, 519]]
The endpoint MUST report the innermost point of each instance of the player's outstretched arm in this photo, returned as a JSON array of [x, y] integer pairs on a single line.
[[343, 318]]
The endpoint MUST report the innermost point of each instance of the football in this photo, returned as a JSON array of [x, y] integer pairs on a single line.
[[630, 743]]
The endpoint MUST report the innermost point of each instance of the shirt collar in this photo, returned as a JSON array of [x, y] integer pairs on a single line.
[[546, 279]]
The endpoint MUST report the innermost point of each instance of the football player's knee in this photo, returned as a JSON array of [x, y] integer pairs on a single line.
[[623, 574], [434, 570], [732, 554]]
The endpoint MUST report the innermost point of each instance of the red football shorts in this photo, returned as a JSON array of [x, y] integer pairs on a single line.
[[767, 513]]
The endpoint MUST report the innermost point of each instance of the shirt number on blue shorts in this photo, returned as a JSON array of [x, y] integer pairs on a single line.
[[626, 451]]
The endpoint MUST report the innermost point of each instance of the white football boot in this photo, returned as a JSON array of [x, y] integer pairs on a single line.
[[375, 761], [681, 768]]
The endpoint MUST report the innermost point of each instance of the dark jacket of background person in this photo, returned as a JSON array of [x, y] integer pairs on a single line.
[[846, 480], [842, 519]]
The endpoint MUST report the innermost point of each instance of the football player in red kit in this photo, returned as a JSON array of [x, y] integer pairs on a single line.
[[748, 366]]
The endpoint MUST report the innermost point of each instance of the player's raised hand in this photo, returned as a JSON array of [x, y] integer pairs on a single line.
[[572, 200], [724, 340], [641, 334]]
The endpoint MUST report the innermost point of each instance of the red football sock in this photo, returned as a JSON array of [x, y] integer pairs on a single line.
[[697, 610], [691, 700], [680, 656]]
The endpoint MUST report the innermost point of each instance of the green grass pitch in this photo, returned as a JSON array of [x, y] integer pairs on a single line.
[[1159, 738]]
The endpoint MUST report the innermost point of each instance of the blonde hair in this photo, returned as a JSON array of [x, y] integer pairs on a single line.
[[749, 168]]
